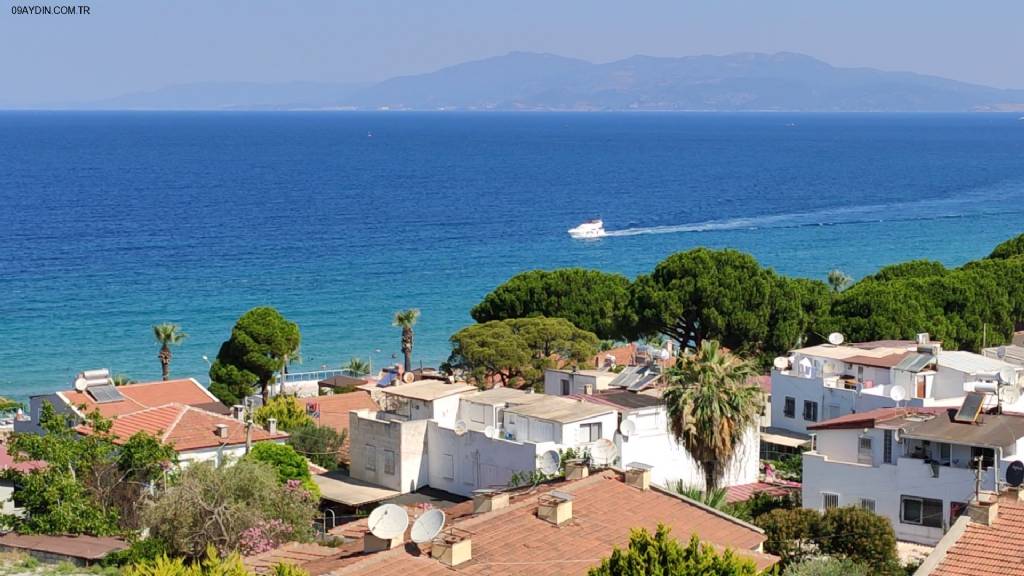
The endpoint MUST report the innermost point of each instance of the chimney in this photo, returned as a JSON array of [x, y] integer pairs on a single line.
[[222, 431], [452, 547], [555, 507], [373, 544], [238, 412], [486, 500], [576, 470], [588, 389], [984, 509], [272, 425], [923, 338], [638, 476]]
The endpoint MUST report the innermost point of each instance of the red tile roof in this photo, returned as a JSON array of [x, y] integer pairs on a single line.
[[82, 547], [996, 550], [334, 411], [515, 541], [744, 492], [144, 395], [871, 418], [7, 461], [185, 427]]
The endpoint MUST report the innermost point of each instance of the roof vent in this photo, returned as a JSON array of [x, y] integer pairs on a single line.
[[576, 470], [555, 507], [487, 500], [637, 475], [984, 509], [222, 431], [452, 547], [923, 338], [272, 426]]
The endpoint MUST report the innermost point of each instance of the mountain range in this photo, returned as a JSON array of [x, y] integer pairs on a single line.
[[530, 81]]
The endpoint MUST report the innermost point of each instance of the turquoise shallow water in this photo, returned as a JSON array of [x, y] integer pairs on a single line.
[[110, 222]]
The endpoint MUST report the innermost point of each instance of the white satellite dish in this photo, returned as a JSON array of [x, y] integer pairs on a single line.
[[388, 521], [490, 432], [1007, 376], [460, 427], [898, 394], [780, 362], [81, 384], [550, 462], [603, 451], [427, 526], [836, 339], [627, 427]]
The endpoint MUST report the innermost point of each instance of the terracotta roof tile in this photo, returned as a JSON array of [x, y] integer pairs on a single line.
[[744, 492], [996, 550], [515, 541], [144, 395], [185, 427]]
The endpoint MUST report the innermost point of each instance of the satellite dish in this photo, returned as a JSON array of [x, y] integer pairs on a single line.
[[603, 451], [81, 384], [427, 526], [388, 521], [550, 462], [898, 394], [1015, 473], [836, 339], [1001, 352], [780, 362], [460, 427], [408, 377], [627, 427], [1007, 376], [490, 432]]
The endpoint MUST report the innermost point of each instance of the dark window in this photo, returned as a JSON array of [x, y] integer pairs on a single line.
[[789, 408], [867, 504], [987, 456], [887, 448], [865, 454], [565, 387], [590, 432], [829, 500], [921, 511], [810, 411]]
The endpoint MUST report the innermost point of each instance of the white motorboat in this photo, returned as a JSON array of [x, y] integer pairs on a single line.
[[589, 229]]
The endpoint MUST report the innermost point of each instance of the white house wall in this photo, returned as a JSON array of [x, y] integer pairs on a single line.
[[461, 464], [373, 443], [577, 382], [832, 402]]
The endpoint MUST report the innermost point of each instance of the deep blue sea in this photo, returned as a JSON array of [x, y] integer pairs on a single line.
[[111, 222]]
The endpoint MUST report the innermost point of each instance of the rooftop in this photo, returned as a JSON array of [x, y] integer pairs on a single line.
[[501, 396], [185, 427], [559, 409], [972, 363], [143, 395], [980, 550], [1013, 354], [514, 540], [428, 390], [935, 424], [584, 372], [89, 548], [845, 352], [621, 399], [334, 409], [887, 361]]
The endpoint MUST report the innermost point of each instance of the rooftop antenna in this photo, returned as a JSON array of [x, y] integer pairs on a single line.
[[388, 521], [427, 526]]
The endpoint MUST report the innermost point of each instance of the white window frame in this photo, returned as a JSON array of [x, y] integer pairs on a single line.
[[591, 435]]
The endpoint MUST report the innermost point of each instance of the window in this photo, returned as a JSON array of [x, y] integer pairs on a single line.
[[810, 411], [920, 387], [860, 373], [887, 447], [829, 500], [590, 432], [566, 390], [389, 462], [370, 457], [867, 504], [864, 452], [987, 456], [945, 453], [448, 466], [789, 409], [921, 511]]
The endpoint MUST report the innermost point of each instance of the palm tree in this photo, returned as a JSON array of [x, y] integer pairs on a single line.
[[405, 320], [711, 406], [839, 280], [167, 335], [357, 367]]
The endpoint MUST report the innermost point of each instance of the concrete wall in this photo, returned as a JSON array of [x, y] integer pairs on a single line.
[[526, 429], [373, 443], [461, 464], [577, 382], [478, 416]]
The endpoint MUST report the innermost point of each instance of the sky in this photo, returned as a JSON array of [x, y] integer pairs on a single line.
[[137, 45]]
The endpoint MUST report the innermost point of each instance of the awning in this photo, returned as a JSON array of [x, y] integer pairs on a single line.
[[338, 487], [784, 439]]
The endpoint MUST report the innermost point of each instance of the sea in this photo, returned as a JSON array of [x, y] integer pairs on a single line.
[[111, 222]]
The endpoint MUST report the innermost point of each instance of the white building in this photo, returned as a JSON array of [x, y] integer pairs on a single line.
[[568, 382], [825, 382], [913, 466]]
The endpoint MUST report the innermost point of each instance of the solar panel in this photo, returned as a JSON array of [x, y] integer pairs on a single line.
[[105, 393], [971, 407], [386, 380]]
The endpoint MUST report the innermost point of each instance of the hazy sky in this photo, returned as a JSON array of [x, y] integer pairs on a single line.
[[128, 45]]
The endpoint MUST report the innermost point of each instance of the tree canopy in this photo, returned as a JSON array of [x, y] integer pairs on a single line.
[[1011, 248], [659, 553], [518, 349], [288, 412], [260, 343], [289, 464], [591, 300]]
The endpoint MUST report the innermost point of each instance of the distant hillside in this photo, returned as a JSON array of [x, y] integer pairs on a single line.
[[529, 81]]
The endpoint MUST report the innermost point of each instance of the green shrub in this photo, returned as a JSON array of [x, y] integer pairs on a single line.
[[860, 535], [827, 567], [790, 533], [139, 551], [289, 464], [321, 444], [661, 554], [212, 565]]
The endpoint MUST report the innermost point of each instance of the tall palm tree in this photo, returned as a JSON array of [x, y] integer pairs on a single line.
[[167, 335], [406, 319], [711, 406]]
